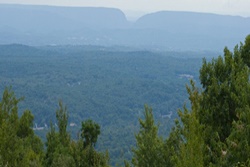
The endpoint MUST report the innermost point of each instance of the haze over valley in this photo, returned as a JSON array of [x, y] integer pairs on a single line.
[[108, 68]]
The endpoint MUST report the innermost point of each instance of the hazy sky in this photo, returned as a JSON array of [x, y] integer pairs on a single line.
[[231, 7]]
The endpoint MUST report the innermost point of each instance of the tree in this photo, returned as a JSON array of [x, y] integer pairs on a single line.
[[149, 146], [58, 143], [192, 146], [62, 151], [215, 131], [172, 145], [90, 132], [83, 150], [19, 146], [239, 139], [51, 144], [245, 51], [62, 121], [225, 96], [25, 122]]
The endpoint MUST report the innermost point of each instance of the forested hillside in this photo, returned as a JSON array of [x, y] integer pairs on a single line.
[[107, 85], [212, 130]]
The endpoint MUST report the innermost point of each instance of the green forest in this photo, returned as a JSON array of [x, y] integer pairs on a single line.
[[108, 85], [212, 128]]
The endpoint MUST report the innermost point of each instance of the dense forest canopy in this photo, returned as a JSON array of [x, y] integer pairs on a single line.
[[213, 130], [109, 85]]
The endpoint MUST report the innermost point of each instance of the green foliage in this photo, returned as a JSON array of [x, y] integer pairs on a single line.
[[245, 51], [215, 132], [89, 132], [149, 146], [61, 151], [58, 143], [62, 122], [225, 98], [63, 160], [223, 81], [18, 144], [25, 122], [107, 85], [172, 145], [89, 157], [192, 147], [52, 143]]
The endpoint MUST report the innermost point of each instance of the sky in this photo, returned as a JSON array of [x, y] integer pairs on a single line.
[[136, 8]]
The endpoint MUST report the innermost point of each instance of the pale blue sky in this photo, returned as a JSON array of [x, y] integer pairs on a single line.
[[229, 7]]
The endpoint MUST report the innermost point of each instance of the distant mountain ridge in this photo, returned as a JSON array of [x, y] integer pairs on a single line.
[[179, 16], [190, 21], [51, 17], [167, 30]]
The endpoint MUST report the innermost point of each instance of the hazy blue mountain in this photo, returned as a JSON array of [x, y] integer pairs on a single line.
[[43, 25], [196, 28], [42, 18], [189, 21]]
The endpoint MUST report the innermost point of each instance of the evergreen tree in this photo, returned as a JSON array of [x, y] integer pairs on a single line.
[[216, 130], [62, 151], [19, 146], [62, 122], [172, 145], [90, 132], [58, 143], [192, 148], [149, 146], [225, 96], [83, 150], [239, 139]]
